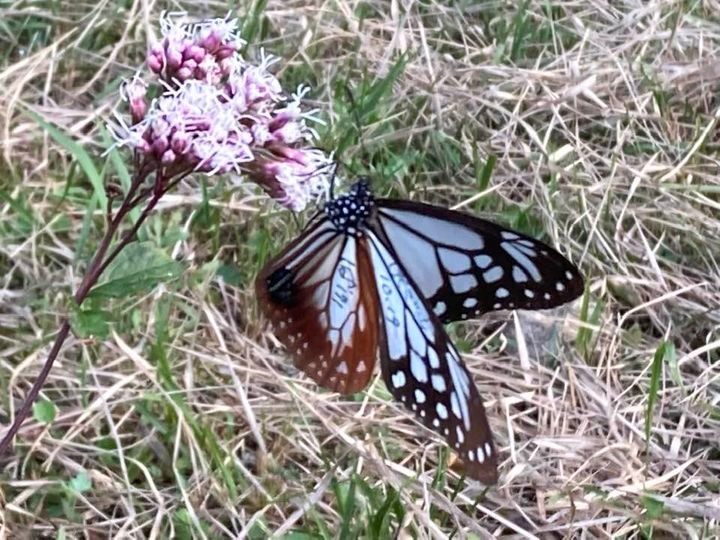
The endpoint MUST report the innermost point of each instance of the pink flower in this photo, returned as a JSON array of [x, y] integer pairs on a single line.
[[134, 92], [217, 114], [196, 51], [293, 176]]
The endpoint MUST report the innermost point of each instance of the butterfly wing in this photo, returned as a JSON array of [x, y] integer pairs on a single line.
[[466, 266], [423, 369], [319, 295]]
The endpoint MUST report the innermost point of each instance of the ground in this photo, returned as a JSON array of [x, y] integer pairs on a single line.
[[591, 125]]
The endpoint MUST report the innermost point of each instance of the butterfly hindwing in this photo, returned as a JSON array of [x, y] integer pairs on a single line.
[[424, 371], [466, 266], [319, 294]]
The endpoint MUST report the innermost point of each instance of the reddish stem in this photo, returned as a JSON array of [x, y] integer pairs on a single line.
[[98, 265]]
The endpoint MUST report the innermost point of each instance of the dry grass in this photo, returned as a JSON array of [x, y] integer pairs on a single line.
[[189, 421]]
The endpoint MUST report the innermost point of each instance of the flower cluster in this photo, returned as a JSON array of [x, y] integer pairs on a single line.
[[204, 51], [216, 113]]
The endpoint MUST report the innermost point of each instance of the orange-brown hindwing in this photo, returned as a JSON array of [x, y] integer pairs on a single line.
[[320, 296]]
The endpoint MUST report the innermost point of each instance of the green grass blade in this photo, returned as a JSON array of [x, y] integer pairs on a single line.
[[82, 157], [655, 372], [252, 26], [382, 87]]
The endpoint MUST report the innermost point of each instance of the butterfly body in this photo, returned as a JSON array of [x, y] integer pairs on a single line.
[[378, 277]]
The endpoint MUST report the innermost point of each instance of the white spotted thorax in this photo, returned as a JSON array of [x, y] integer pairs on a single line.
[[349, 213], [378, 277]]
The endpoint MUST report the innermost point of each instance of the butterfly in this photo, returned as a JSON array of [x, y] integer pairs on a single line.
[[373, 277]]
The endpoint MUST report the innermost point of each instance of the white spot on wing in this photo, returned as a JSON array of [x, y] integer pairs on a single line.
[[433, 358], [415, 336], [483, 261], [342, 368], [463, 283], [418, 368], [454, 261], [460, 434], [419, 396], [348, 328], [361, 317], [440, 308], [461, 383], [492, 275], [502, 292], [518, 275], [470, 302], [455, 405], [438, 383], [398, 380], [442, 411]]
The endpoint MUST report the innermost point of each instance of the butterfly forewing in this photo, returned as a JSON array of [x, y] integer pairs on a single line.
[[466, 266], [423, 370], [320, 295]]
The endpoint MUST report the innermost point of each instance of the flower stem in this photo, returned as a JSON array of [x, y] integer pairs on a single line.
[[37, 385], [98, 265]]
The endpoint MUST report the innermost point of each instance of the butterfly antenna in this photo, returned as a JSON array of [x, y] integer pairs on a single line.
[[332, 180], [356, 117]]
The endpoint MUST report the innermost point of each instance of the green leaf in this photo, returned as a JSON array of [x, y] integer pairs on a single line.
[[230, 274], [21, 208], [80, 483], [183, 523], [44, 411], [86, 226], [655, 372], [347, 508], [259, 530], [483, 171], [88, 323], [380, 522], [139, 267], [672, 361], [119, 164], [653, 506], [81, 157]]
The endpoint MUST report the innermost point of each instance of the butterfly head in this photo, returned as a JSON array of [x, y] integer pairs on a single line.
[[349, 213]]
